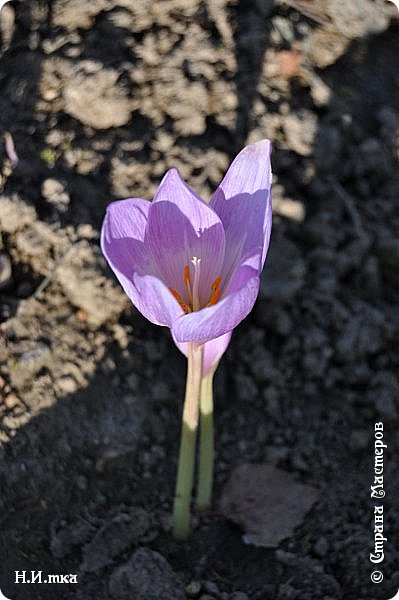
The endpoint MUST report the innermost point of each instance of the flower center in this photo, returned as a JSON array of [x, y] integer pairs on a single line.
[[192, 288]]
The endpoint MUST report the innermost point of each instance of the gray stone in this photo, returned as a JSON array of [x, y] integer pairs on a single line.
[[211, 588], [146, 576], [115, 537], [238, 596], [321, 547]]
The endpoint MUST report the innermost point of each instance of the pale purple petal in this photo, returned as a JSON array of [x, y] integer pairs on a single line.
[[214, 321], [181, 226], [155, 301], [243, 203], [213, 351], [122, 242]]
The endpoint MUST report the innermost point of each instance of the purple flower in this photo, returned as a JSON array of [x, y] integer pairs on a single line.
[[191, 266]]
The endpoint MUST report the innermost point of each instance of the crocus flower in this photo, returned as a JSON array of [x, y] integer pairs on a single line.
[[195, 267], [191, 266]]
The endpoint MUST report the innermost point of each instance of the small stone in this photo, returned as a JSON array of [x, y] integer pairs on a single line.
[[286, 558], [114, 538], [193, 589], [211, 588], [67, 385], [96, 100], [321, 547], [146, 576], [54, 192], [238, 596], [5, 271]]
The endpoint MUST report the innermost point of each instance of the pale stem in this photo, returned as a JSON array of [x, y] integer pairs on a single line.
[[185, 471], [206, 453]]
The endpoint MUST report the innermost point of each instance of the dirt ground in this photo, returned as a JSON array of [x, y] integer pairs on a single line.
[[100, 98]]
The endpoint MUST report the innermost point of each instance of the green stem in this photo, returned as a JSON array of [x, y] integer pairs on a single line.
[[185, 471], [206, 455]]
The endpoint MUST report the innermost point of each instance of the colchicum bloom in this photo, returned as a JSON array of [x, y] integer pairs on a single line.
[[192, 266]]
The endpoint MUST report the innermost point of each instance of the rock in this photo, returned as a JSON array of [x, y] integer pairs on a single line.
[[7, 26], [116, 536], [147, 576], [96, 100], [267, 502], [291, 209], [238, 596], [54, 192], [284, 272], [193, 589], [321, 547], [5, 271], [67, 384], [68, 537], [211, 588]]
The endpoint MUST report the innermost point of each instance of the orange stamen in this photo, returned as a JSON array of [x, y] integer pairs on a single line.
[[187, 283], [215, 292], [180, 301]]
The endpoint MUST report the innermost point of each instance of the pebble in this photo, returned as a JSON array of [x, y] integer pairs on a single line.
[[211, 588], [67, 385], [55, 193], [146, 576], [321, 547], [238, 596], [5, 271]]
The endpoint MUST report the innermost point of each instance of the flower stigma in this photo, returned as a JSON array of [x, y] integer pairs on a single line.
[[192, 288]]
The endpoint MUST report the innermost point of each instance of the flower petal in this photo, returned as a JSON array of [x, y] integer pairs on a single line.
[[155, 301], [181, 226], [214, 321], [243, 203], [213, 351], [122, 242]]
